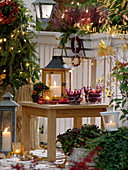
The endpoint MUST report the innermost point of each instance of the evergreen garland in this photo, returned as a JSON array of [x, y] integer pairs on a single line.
[[18, 60]]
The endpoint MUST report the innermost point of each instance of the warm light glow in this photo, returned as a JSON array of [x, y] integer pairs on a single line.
[[47, 98], [78, 3], [12, 48], [63, 16], [110, 121], [1, 40], [54, 83], [86, 10], [12, 35], [5, 39], [27, 64], [6, 129]]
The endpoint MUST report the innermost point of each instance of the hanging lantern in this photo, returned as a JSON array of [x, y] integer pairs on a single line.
[[7, 123], [57, 76], [44, 10], [110, 120]]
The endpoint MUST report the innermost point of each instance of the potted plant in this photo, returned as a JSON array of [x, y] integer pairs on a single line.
[[37, 89], [77, 138], [120, 71], [114, 149], [108, 151]]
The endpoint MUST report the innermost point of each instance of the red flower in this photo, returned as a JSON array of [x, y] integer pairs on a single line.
[[11, 12], [99, 148]]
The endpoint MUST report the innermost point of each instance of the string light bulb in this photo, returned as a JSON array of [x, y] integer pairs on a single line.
[[86, 10], [12, 48], [1, 40], [27, 64], [4, 39], [12, 35]]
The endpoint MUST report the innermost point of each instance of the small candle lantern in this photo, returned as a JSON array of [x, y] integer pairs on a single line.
[[17, 148], [57, 76], [47, 95], [110, 120], [7, 123]]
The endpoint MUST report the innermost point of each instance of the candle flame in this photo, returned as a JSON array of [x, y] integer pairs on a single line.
[[54, 83], [6, 129], [47, 97], [110, 121]]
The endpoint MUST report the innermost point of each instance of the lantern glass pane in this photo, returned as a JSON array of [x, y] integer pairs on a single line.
[[54, 82], [46, 11], [6, 130], [38, 11], [110, 121], [68, 80], [6, 120]]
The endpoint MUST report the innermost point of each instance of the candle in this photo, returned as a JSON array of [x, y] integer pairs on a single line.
[[56, 90], [17, 148], [111, 125], [6, 140], [47, 98]]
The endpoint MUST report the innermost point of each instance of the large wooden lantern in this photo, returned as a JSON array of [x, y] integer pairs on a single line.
[[57, 76], [7, 123]]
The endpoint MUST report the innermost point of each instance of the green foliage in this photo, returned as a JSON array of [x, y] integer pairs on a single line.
[[18, 58], [120, 71], [114, 152], [77, 137], [118, 12], [37, 90]]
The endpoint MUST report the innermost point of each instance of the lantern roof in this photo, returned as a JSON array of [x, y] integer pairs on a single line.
[[45, 2], [57, 63], [7, 101]]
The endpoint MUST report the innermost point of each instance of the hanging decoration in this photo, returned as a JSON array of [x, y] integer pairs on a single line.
[[76, 60], [76, 44]]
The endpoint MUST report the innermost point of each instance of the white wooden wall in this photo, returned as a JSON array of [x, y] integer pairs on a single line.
[[83, 75]]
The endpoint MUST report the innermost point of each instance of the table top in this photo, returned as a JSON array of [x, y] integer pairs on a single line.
[[62, 106]]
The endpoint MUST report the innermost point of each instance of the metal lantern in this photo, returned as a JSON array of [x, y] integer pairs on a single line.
[[7, 123], [110, 120], [44, 10], [57, 76]]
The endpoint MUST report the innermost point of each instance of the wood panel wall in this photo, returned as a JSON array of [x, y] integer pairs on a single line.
[[86, 73]]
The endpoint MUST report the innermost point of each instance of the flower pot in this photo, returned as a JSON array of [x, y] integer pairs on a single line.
[[77, 155]]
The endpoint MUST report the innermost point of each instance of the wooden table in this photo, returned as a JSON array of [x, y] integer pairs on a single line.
[[52, 112]]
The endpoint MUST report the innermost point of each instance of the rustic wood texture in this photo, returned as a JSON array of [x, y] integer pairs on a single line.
[[52, 112]]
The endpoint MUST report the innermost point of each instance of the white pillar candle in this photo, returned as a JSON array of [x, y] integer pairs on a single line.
[[111, 125], [6, 140], [56, 90]]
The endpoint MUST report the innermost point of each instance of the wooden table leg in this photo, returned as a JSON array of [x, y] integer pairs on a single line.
[[25, 135], [77, 122], [52, 135]]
